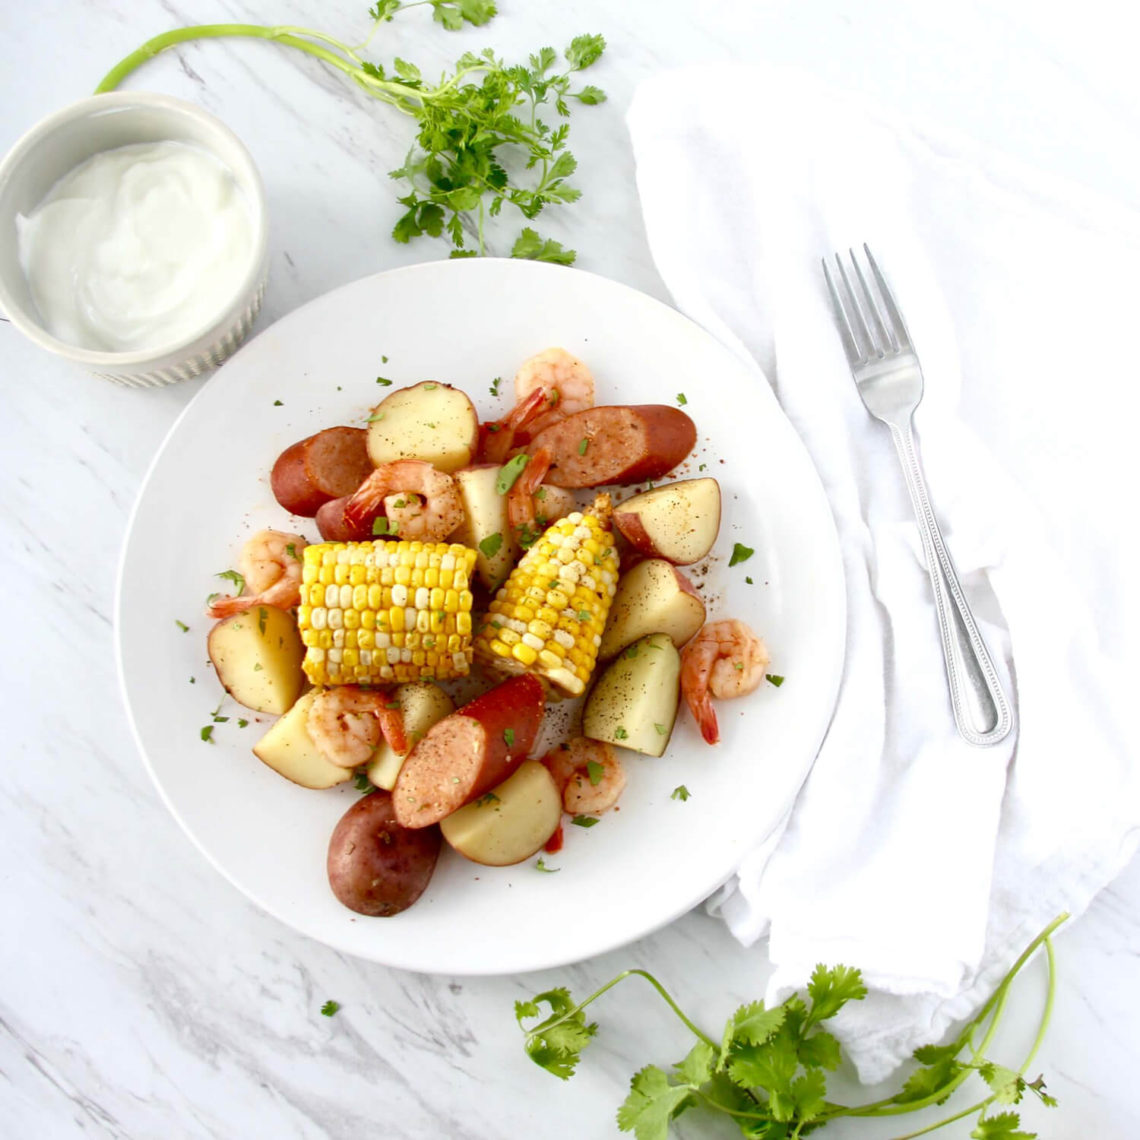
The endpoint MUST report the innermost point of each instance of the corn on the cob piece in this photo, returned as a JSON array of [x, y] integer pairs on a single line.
[[549, 616], [381, 612]]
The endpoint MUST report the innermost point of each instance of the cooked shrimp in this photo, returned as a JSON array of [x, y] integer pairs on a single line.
[[566, 382], [725, 659], [498, 436], [520, 498], [347, 723], [434, 512], [270, 563], [588, 773]]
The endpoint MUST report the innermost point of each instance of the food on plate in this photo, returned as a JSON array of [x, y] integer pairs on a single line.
[[678, 521], [347, 724], [550, 386], [334, 527], [417, 500], [270, 567], [421, 704], [430, 421], [634, 702], [548, 618], [510, 822], [469, 752], [653, 597], [322, 467], [384, 611], [566, 384], [381, 612], [289, 750], [375, 866], [725, 659], [257, 657], [588, 773], [616, 444]]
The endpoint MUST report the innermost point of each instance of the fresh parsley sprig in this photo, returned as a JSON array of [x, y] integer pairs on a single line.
[[768, 1071], [481, 143]]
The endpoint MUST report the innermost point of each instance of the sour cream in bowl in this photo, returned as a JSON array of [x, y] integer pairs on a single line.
[[132, 237]]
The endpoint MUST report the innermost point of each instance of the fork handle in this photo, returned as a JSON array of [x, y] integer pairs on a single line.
[[981, 711]]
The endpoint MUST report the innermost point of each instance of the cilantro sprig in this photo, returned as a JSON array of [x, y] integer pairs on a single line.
[[768, 1070], [481, 142]]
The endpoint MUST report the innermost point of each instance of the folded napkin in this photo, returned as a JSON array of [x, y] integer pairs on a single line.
[[926, 862]]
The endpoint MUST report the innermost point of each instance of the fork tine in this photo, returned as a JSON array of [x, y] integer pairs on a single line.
[[847, 334], [886, 337], [901, 331], [873, 348]]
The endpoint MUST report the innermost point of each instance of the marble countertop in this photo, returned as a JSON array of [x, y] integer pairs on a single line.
[[142, 995]]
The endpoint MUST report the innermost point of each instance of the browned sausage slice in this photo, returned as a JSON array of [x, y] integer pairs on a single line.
[[324, 466], [375, 866], [616, 444], [469, 752]]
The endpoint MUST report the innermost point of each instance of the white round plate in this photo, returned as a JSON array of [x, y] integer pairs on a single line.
[[467, 322]]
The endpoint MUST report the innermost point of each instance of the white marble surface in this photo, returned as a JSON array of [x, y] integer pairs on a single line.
[[142, 996]]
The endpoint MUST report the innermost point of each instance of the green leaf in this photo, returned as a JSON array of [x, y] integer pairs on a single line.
[[234, 577], [752, 1024], [928, 1081], [651, 1105], [1007, 1085], [809, 1094], [555, 1044], [509, 472], [330, 1008], [740, 553], [831, 989], [491, 545], [697, 1067], [531, 247], [820, 1050], [584, 51], [771, 1066], [1004, 1126], [589, 95]]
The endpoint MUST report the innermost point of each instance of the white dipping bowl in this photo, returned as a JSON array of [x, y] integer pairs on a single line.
[[69, 137]]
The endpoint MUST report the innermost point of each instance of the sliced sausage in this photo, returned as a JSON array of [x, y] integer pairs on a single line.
[[335, 526], [375, 866], [616, 444], [324, 466], [469, 752]]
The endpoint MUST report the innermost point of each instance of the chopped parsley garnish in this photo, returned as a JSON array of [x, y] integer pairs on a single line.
[[509, 472], [703, 467], [257, 666], [583, 445], [631, 651], [330, 1008], [662, 729], [584, 820], [620, 733], [583, 615], [363, 784], [492, 544], [291, 550], [207, 734], [749, 581], [495, 385], [242, 722], [775, 679], [231, 576], [380, 525], [681, 399], [384, 360], [594, 772], [740, 553], [430, 387], [487, 798], [383, 380], [182, 625], [278, 404], [680, 792], [541, 866], [509, 737], [262, 618], [374, 418]]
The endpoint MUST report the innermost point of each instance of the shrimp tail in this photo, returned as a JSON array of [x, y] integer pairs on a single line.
[[228, 605], [392, 726], [364, 503], [500, 434], [705, 715]]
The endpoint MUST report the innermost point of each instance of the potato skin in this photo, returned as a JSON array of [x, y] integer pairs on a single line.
[[619, 443], [321, 467], [375, 866]]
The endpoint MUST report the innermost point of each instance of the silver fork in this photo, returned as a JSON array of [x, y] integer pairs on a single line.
[[889, 380]]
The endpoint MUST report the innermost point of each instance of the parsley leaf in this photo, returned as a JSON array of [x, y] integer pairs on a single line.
[[508, 737], [651, 1105], [182, 625], [584, 820], [556, 1043], [680, 792], [232, 576], [509, 473], [330, 1008], [491, 545], [594, 772], [740, 553], [774, 679]]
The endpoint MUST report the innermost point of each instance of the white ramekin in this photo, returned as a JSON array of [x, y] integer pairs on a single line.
[[61, 142]]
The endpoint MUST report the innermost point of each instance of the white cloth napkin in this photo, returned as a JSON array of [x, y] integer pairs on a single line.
[[928, 863]]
